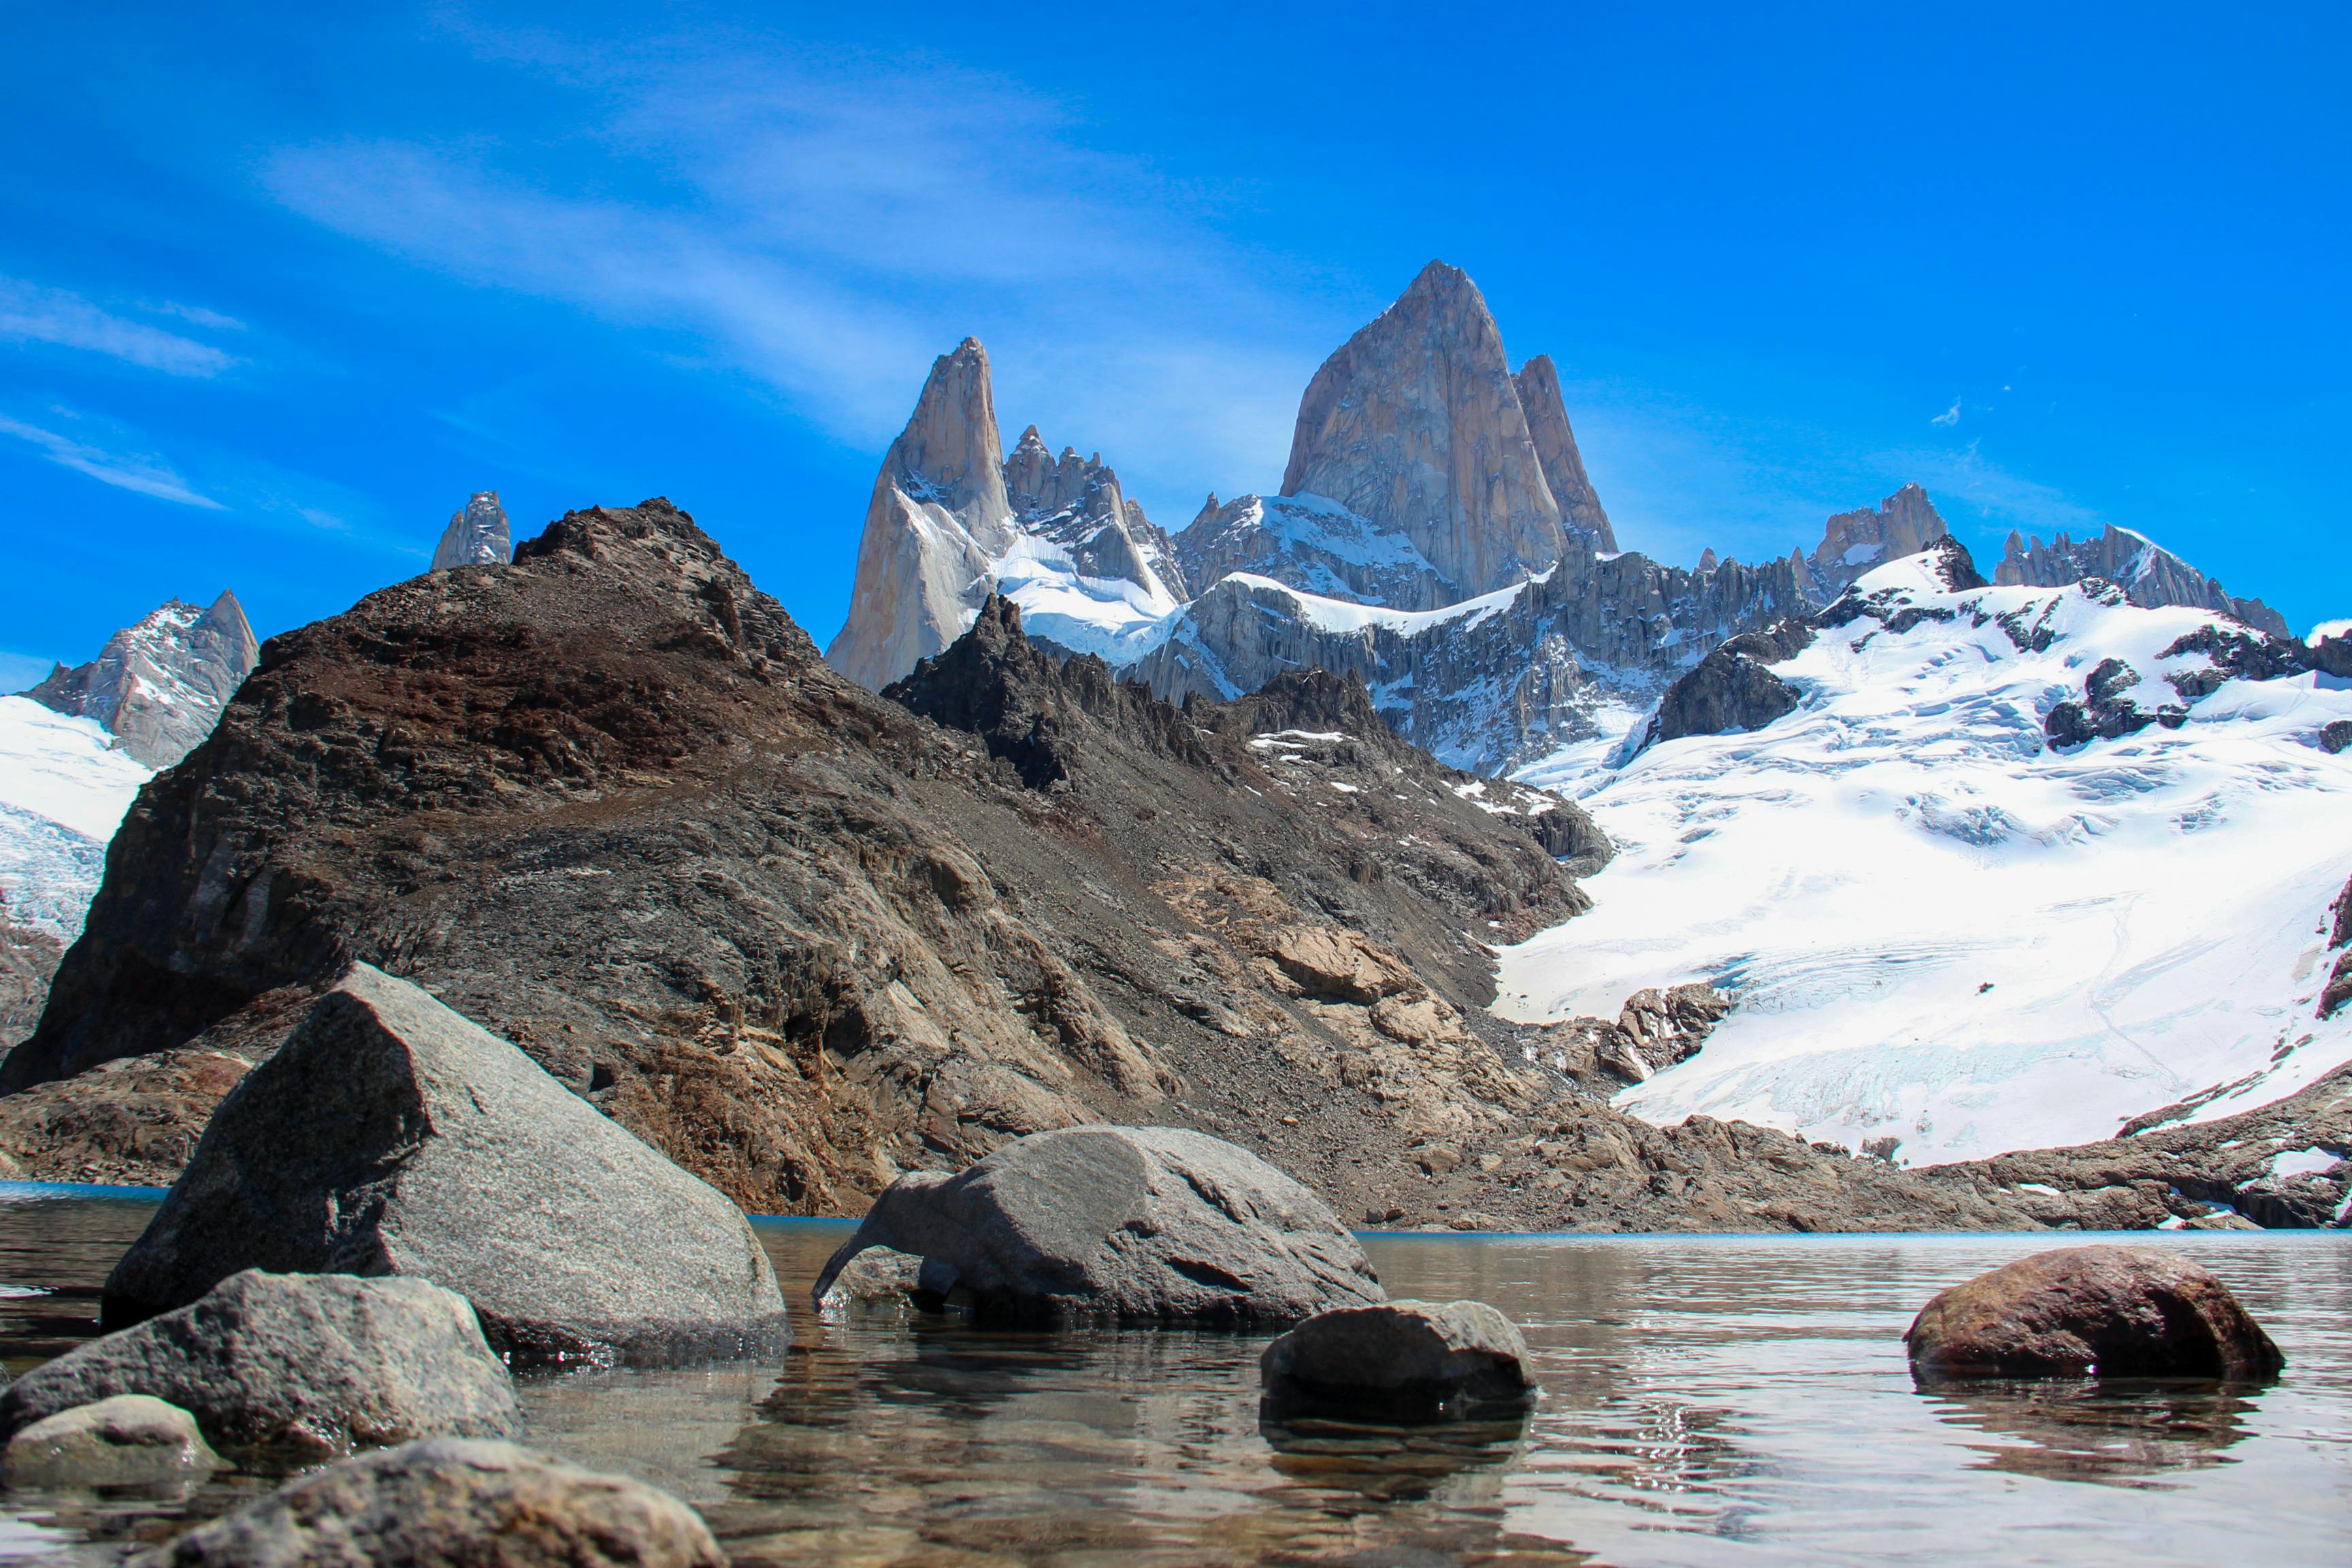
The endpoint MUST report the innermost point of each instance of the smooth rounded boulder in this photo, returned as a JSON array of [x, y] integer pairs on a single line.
[[1136, 1225], [450, 1500], [392, 1136], [1399, 1359], [312, 1365], [2091, 1311], [130, 1439]]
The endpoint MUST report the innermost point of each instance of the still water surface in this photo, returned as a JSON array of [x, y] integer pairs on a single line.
[[1735, 1400]]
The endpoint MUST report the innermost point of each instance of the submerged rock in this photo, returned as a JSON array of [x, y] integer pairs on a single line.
[[878, 1282], [2083, 1312], [1135, 1224], [392, 1136], [313, 1364], [450, 1500], [1403, 1359], [130, 1439]]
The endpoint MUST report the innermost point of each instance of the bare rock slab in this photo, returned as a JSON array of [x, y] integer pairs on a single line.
[[1399, 1359], [130, 1439], [2084, 1311], [313, 1365], [1128, 1223], [391, 1136], [452, 1501]]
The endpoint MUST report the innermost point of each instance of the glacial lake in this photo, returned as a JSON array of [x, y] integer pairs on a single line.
[[1711, 1400]]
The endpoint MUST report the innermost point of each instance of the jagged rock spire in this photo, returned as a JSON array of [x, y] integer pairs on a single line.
[[158, 686], [1415, 424], [1853, 542], [477, 535], [1563, 466], [938, 517]]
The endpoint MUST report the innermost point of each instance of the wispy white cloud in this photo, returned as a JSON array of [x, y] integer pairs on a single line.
[[825, 227], [142, 472], [1949, 416], [31, 313]]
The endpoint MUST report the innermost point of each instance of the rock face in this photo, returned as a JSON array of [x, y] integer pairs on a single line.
[[28, 960], [939, 520], [1399, 1359], [1123, 1224], [130, 1439], [2079, 1312], [2339, 980], [309, 1365], [477, 535], [451, 1501], [1580, 511], [160, 686], [1905, 523], [392, 1136], [1732, 687], [1415, 423], [2147, 574]]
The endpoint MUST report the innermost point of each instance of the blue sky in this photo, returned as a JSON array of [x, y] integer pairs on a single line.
[[279, 286]]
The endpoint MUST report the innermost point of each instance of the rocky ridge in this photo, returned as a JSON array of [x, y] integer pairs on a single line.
[[158, 687], [2148, 575]]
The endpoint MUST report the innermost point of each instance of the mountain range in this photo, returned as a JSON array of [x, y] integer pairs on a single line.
[[1397, 824]]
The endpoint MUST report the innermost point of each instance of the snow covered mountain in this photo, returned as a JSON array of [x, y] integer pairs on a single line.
[[2022, 864], [158, 686]]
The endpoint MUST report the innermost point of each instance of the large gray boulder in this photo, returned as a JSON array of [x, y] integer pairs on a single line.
[[1127, 1224], [313, 1365], [450, 1502], [2084, 1312], [1403, 1360], [128, 1439], [392, 1136]]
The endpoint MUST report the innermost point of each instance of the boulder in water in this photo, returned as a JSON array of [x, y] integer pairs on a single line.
[[451, 1501], [392, 1136], [128, 1439], [1130, 1224], [2084, 1311], [314, 1366], [1401, 1359]]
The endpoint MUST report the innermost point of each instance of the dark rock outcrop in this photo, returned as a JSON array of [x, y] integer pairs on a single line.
[[2338, 990], [1732, 688], [1122, 1224], [2107, 709], [1398, 1361], [392, 1136], [304, 1366], [124, 1440], [451, 1501], [2079, 1311], [29, 963]]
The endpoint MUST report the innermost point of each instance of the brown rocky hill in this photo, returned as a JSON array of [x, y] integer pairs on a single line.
[[608, 801]]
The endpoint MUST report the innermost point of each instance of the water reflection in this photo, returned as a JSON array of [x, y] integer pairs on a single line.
[[1704, 1401], [2117, 1431]]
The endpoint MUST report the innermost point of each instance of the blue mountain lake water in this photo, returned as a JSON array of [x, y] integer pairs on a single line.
[[1711, 1400]]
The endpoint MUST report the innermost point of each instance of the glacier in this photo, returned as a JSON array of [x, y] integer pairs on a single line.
[[64, 788], [1943, 930]]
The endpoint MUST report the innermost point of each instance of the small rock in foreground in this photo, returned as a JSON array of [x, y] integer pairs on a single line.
[[130, 1439], [1132, 1224], [450, 1500], [390, 1135], [1403, 1360], [2084, 1312], [314, 1366]]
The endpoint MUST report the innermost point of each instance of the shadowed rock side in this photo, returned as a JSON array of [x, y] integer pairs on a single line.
[[28, 960], [608, 803]]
